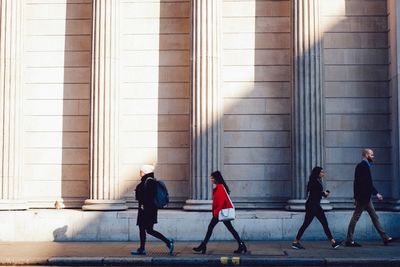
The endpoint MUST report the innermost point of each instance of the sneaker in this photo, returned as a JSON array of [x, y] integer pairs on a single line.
[[171, 246], [297, 245], [352, 244], [337, 244], [387, 240], [138, 251]]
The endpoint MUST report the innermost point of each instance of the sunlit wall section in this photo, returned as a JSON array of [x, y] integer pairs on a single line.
[[256, 73], [57, 44], [154, 94], [355, 43]]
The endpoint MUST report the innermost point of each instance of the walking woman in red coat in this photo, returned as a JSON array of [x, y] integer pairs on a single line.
[[220, 201]]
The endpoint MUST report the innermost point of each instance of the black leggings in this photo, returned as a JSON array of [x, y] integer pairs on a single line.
[[311, 212], [228, 225], [149, 229]]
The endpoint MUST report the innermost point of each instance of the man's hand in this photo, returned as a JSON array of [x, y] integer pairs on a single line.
[[379, 196], [327, 193]]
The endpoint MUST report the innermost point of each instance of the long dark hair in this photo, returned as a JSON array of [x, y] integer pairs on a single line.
[[220, 180], [314, 176], [315, 173]]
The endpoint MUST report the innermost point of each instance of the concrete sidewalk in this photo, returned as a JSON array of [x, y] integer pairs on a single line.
[[269, 253]]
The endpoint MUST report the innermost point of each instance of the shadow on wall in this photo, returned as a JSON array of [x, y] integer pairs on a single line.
[[256, 87], [356, 90], [59, 234], [173, 114], [76, 104]]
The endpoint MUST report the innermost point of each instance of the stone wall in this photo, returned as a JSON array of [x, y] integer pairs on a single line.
[[256, 73], [56, 104], [154, 95], [355, 58]]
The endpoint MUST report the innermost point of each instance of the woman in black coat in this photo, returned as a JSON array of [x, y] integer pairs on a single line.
[[313, 208], [147, 210]]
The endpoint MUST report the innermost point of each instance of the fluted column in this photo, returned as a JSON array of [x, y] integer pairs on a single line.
[[308, 112], [10, 105], [104, 190], [206, 125]]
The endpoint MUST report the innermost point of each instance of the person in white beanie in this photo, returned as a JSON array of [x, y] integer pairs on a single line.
[[146, 169], [147, 210]]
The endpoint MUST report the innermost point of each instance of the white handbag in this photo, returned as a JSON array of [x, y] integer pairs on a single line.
[[227, 214]]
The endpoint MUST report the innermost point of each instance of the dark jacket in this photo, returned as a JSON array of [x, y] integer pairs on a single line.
[[316, 192], [145, 191], [363, 186]]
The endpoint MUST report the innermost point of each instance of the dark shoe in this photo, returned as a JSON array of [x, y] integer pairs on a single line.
[[242, 248], [337, 244], [139, 251], [202, 248], [352, 244], [171, 246], [388, 240], [297, 245]]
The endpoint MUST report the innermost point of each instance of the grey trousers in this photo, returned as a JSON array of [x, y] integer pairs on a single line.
[[369, 207]]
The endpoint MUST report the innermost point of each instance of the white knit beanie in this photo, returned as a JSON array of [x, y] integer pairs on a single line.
[[146, 169]]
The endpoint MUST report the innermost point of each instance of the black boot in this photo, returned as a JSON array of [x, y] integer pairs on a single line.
[[241, 249], [202, 248]]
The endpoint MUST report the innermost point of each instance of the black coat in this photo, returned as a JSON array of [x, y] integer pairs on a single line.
[[316, 192], [363, 186], [145, 191]]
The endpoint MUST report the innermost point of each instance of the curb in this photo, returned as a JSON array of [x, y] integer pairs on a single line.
[[363, 262], [210, 261]]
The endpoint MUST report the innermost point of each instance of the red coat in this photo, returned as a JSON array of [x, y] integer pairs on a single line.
[[220, 200]]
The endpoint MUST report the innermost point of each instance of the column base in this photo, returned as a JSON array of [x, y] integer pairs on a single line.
[[198, 205], [13, 205], [300, 205], [104, 205]]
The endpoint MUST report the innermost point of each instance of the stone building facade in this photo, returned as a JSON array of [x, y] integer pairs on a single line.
[[261, 89]]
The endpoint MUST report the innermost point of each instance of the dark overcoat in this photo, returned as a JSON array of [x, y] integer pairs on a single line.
[[145, 191], [363, 186]]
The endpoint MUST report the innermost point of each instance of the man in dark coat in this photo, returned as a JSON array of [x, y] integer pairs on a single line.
[[363, 189], [147, 210]]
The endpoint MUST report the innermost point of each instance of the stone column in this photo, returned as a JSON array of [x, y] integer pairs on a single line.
[[104, 189], [206, 111], [308, 113], [10, 105]]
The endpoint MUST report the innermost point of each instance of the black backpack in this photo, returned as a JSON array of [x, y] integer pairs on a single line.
[[161, 196]]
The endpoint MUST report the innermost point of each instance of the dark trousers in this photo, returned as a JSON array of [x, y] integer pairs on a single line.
[[143, 228], [311, 212], [228, 225], [369, 207]]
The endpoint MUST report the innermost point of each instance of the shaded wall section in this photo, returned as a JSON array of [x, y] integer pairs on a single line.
[[256, 88], [393, 26], [56, 105], [355, 56], [154, 100]]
